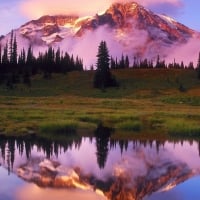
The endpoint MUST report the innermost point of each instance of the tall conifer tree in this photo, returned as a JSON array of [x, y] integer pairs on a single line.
[[5, 60], [127, 62], [198, 67], [14, 51], [103, 77], [0, 55], [11, 48]]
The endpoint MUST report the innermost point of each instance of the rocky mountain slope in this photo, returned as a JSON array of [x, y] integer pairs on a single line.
[[121, 186]]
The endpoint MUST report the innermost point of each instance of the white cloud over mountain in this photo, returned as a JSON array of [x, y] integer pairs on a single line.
[[38, 8]]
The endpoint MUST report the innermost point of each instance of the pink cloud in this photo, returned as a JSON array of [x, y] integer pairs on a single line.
[[187, 52], [151, 2], [38, 8]]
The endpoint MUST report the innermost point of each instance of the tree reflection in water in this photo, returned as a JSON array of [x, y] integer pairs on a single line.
[[102, 135], [54, 147]]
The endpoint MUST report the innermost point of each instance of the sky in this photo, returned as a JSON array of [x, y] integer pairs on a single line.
[[15, 13]]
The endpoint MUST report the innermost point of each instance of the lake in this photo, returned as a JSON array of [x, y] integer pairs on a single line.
[[98, 168]]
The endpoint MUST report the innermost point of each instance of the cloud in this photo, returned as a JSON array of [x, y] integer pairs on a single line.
[[79, 46], [38, 8], [138, 38], [170, 7], [118, 43], [187, 52], [154, 2]]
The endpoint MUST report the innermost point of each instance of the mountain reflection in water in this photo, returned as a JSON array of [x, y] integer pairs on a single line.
[[101, 167]]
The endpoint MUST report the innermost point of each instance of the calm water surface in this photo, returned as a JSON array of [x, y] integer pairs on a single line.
[[98, 169]]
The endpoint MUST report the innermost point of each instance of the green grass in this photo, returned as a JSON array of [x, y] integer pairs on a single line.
[[189, 100], [130, 126], [89, 118], [147, 104], [184, 128], [58, 127]]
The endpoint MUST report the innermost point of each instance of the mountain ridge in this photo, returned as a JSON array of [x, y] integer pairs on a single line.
[[135, 31]]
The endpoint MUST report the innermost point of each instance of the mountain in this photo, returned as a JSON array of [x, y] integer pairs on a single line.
[[121, 186], [128, 28]]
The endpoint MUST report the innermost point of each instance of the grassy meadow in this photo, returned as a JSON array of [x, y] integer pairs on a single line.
[[149, 104]]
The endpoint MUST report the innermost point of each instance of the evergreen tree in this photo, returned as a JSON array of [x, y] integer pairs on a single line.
[[40, 61], [103, 77], [23, 56], [182, 65], [30, 61], [1, 69], [150, 64], [58, 60], [14, 51], [0, 54], [198, 67], [5, 60], [72, 63], [12, 69], [65, 63], [30, 57], [78, 64], [127, 62], [11, 48], [49, 62], [112, 63], [162, 64], [122, 62], [135, 63], [191, 65], [102, 135], [22, 60], [102, 149], [144, 63], [176, 65], [170, 66], [116, 63], [158, 62]]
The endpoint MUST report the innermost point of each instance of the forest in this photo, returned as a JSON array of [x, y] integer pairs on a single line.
[[19, 67]]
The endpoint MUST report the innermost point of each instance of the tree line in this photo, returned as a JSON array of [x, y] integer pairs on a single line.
[[103, 77], [124, 62], [18, 68], [11, 146]]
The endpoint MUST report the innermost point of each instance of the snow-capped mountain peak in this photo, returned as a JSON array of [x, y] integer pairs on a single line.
[[128, 28]]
